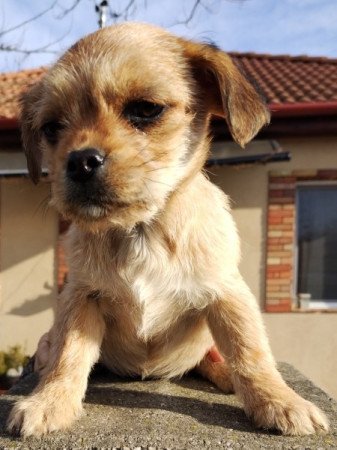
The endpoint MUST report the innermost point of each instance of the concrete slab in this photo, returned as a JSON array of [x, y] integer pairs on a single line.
[[184, 414]]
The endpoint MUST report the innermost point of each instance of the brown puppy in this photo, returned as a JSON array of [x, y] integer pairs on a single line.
[[122, 120]]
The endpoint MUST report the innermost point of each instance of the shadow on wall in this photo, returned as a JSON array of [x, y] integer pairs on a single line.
[[28, 226], [34, 306]]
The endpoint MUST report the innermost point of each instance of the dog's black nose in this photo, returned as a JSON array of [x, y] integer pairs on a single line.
[[83, 164]]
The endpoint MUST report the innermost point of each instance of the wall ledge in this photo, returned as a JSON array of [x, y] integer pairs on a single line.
[[184, 414]]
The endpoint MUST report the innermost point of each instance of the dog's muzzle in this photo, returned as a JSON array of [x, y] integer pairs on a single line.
[[86, 189]]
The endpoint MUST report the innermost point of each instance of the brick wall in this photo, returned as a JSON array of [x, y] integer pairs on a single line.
[[62, 269], [281, 236], [280, 242]]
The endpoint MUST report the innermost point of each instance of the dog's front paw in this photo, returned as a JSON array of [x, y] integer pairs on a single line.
[[290, 414], [36, 416]]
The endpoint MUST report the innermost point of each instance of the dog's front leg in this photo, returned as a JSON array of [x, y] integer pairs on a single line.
[[57, 400], [237, 327]]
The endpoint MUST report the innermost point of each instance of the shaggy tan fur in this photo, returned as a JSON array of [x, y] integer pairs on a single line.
[[153, 272]]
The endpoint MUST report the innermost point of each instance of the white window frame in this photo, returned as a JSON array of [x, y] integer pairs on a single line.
[[313, 303]]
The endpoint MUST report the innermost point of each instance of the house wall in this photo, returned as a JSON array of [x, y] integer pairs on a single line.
[[307, 340], [27, 271]]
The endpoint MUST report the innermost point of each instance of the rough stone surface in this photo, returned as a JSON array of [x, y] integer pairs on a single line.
[[184, 414]]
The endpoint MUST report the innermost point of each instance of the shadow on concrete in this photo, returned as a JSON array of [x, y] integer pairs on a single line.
[[202, 411], [106, 389], [5, 408], [35, 306], [103, 391]]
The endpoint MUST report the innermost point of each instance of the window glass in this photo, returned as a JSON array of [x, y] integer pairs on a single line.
[[317, 242]]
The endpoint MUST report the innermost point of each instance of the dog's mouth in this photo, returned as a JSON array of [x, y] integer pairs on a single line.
[[92, 202], [97, 204]]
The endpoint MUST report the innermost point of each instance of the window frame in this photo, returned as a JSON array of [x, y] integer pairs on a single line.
[[314, 304]]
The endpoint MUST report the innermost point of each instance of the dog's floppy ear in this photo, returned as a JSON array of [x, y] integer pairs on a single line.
[[226, 91], [30, 133]]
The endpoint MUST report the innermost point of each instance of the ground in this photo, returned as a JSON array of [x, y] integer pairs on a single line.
[[183, 414]]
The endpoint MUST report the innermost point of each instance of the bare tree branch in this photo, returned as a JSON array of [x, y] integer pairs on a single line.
[[31, 19], [68, 10], [196, 5], [127, 11], [8, 48], [45, 49]]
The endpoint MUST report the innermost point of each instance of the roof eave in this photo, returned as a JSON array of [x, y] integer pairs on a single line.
[[8, 123], [303, 109]]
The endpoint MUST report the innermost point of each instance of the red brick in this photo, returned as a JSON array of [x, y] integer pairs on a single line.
[[281, 213], [286, 274], [275, 207], [280, 281], [286, 301], [274, 248], [281, 226], [282, 179], [279, 240], [272, 275], [272, 288], [284, 307], [282, 200], [279, 267], [288, 220], [274, 220], [288, 260], [282, 193]]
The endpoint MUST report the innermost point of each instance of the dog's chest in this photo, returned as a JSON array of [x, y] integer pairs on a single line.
[[156, 331], [142, 277], [162, 293]]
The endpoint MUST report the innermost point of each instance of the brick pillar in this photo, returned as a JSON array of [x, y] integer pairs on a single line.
[[281, 241], [62, 269]]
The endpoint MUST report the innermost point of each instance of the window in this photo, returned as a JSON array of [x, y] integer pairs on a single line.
[[301, 244], [317, 245]]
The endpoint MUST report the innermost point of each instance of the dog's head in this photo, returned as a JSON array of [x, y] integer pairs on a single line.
[[122, 121]]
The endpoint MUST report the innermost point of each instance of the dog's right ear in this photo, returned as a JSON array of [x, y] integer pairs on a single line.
[[30, 132], [225, 90]]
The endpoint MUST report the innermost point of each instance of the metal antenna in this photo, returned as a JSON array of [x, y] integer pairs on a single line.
[[102, 9]]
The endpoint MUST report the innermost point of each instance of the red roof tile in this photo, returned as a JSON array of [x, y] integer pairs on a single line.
[[12, 86], [287, 82], [288, 79]]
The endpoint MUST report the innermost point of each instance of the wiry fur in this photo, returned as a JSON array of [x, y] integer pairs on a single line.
[[153, 274]]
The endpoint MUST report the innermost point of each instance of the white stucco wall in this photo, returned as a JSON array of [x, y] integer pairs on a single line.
[[27, 278]]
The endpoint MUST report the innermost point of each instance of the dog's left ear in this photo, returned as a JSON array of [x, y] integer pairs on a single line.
[[225, 91], [30, 134]]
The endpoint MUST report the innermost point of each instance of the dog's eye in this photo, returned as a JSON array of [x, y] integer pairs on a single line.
[[50, 131], [141, 112]]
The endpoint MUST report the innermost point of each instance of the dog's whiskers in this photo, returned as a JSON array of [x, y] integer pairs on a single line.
[[157, 159], [157, 181], [151, 195], [162, 168], [43, 206]]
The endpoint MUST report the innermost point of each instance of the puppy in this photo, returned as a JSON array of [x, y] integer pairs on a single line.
[[123, 120]]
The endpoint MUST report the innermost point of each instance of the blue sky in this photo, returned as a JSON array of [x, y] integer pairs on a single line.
[[293, 27]]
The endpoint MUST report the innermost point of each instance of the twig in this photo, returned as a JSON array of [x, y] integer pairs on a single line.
[[66, 11], [31, 19]]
